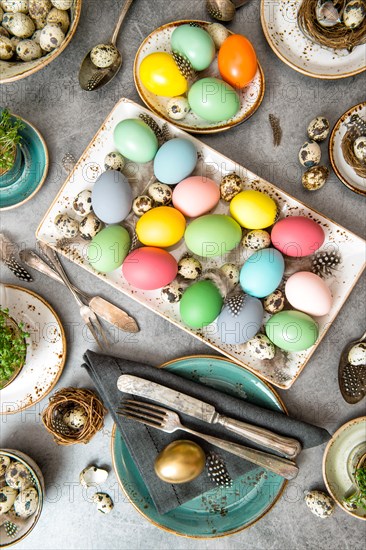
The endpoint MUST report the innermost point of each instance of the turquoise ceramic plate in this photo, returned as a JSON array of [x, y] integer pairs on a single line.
[[218, 512], [22, 183]]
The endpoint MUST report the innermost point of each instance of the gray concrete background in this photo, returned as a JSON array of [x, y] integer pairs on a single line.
[[68, 118]]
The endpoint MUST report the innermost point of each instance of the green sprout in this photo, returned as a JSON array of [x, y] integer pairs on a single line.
[[9, 138], [13, 347], [358, 497]]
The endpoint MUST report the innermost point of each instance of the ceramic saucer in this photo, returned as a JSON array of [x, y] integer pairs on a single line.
[[46, 352], [279, 23], [344, 171], [32, 172], [159, 41], [341, 457]]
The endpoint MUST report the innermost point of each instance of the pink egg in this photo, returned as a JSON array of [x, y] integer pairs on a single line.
[[307, 292], [195, 196], [297, 236], [149, 268]]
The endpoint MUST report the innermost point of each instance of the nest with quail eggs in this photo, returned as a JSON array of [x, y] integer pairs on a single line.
[[337, 25], [74, 415], [349, 154]]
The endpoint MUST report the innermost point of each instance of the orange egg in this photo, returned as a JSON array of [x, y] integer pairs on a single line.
[[237, 61]]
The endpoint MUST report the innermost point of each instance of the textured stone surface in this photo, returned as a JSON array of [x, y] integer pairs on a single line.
[[68, 118]]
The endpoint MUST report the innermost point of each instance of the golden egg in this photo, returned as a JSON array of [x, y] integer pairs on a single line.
[[180, 462]]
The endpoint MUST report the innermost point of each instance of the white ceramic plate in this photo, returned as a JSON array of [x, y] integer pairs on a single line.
[[279, 23], [285, 367], [159, 41], [343, 452], [46, 352], [344, 171]]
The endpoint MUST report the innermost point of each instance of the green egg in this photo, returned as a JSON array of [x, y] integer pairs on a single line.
[[200, 304], [109, 248], [195, 44], [213, 99], [292, 330], [135, 140], [212, 235]]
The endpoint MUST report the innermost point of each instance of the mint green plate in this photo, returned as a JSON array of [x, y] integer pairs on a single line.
[[26, 178], [221, 511]]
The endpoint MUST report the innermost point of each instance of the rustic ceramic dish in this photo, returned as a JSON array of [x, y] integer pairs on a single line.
[[345, 173], [46, 351], [279, 23], [15, 70], [159, 41]]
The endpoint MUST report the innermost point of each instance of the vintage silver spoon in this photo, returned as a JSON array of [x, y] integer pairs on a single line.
[[352, 378], [92, 77], [223, 10]]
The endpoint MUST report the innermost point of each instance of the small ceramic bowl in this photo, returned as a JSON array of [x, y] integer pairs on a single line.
[[15, 70], [18, 531]]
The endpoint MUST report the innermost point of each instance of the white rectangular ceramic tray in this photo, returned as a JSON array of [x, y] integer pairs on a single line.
[[281, 371]]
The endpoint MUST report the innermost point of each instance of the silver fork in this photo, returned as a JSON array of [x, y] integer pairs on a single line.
[[169, 421], [87, 314]]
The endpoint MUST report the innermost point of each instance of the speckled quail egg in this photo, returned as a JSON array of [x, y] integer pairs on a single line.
[[274, 302], [26, 503], [40, 22], [189, 268], [310, 154], [177, 107], [230, 186], [75, 418], [315, 177], [7, 498], [142, 204], [15, 6], [160, 193], [18, 476], [28, 50], [60, 18], [1, 13], [218, 33], [6, 48], [232, 273], [354, 13], [261, 347], [7, 20], [39, 8], [359, 148], [67, 226], [37, 36], [4, 463], [90, 226], [104, 502], [62, 4], [172, 293], [319, 503], [51, 37], [83, 203], [114, 161], [318, 128], [103, 55], [4, 32], [256, 240], [15, 41], [357, 354], [20, 25]]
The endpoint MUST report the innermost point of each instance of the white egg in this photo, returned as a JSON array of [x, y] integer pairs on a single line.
[[39, 8], [28, 50], [60, 18], [319, 503], [257, 239], [6, 48], [26, 503], [261, 347], [354, 13], [20, 25], [62, 4], [218, 33], [103, 55], [357, 354], [7, 498], [104, 503], [51, 37], [310, 154], [359, 148], [18, 476], [318, 128], [177, 108]]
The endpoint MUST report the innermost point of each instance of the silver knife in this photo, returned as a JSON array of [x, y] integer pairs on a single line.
[[191, 406]]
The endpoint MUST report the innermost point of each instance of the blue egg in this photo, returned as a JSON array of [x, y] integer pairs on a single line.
[[111, 197], [262, 272], [175, 160], [240, 319]]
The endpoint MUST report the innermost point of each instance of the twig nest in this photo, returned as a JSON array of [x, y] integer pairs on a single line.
[[74, 415], [314, 178], [319, 503]]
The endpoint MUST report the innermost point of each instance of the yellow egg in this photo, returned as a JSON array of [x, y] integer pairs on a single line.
[[180, 462], [160, 75], [162, 226], [253, 209]]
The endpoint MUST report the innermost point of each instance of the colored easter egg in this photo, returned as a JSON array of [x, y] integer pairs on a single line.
[[135, 140], [111, 197], [237, 61], [253, 209], [213, 100], [149, 268], [292, 330], [160, 75], [195, 44], [297, 236], [262, 272], [196, 195], [175, 160], [212, 235], [240, 319], [108, 248], [308, 292], [162, 226], [200, 304]]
